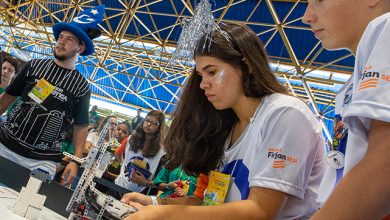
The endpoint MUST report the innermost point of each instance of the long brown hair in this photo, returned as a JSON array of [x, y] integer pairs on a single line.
[[137, 140], [198, 131], [101, 125]]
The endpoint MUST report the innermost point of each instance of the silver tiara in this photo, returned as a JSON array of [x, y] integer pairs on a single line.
[[202, 23]]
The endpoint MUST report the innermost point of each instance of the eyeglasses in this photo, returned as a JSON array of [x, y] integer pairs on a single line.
[[155, 123], [114, 123]]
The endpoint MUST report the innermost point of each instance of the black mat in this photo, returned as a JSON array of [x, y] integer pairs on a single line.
[[15, 177]]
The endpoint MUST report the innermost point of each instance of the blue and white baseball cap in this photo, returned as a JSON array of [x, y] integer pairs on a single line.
[[82, 26]]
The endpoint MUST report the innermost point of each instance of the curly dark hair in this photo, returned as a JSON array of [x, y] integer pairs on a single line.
[[198, 131], [14, 62]]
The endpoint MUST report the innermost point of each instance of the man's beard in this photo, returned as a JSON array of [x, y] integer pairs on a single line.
[[65, 56]]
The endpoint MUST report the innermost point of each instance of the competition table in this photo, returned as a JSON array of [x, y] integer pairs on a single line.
[[7, 200], [13, 177]]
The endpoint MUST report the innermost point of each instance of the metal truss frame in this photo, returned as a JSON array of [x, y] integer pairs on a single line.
[[142, 58]]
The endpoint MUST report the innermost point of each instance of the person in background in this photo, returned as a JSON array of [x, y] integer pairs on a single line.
[[122, 133], [175, 183], [93, 137], [137, 119], [123, 130], [236, 124], [120, 151], [143, 153], [93, 115], [362, 108], [9, 67], [52, 92]]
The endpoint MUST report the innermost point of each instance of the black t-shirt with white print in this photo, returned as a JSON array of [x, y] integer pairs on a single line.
[[36, 130]]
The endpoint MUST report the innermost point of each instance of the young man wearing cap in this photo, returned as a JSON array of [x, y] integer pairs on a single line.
[[52, 92]]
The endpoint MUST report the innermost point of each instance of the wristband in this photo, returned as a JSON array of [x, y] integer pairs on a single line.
[[167, 187], [154, 200], [76, 162], [146, 183]]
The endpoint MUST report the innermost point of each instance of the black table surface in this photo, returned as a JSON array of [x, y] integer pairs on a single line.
[[16, 176]]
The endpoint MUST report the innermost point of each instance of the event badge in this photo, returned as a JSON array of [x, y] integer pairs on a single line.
[[335, 159], [41, 91], [217, 188]]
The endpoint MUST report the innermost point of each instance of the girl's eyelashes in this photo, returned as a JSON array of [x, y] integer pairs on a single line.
[[212, 72]]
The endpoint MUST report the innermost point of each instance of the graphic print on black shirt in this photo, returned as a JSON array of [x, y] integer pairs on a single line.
[[35, 130], [41, 132]]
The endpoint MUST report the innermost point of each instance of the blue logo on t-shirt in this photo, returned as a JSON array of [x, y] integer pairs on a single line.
[[137, 163], [240, 175]]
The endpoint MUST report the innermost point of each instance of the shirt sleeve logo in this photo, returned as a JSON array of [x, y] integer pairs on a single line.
[[279, 159], [369, 79]]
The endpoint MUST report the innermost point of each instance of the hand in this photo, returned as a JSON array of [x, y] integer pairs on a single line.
[[138, 178], [172, 185], [153, 212], [180, 192], [139, 198], [69, 173], [110, 175]]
